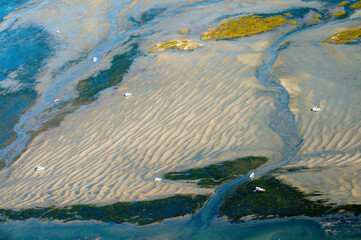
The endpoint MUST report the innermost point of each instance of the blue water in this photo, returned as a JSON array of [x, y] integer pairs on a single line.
[[22, 54], [8, 6]]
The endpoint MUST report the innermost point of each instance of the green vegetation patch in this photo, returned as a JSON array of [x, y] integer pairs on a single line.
[[181, 45], [2, 164], [341, 4], [356, 5], [316, 16], [244, 26], [354, 208], [89, 88], [339, 14], [345, 36], [292, 22], [279, 200], [142, 212], [184, 31], [219, 173]]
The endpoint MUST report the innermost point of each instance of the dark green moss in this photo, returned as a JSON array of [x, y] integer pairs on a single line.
[[290, 169], [88, 89], [151, 14], [2, 164], [352, 208], [142, 212], [279, 200], [217, 174]]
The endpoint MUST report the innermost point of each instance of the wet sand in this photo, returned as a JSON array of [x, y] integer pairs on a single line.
[[326, 76], [187, 110]]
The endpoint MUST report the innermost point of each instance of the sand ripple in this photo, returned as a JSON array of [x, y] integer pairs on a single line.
[[187, 110], [330, 80]]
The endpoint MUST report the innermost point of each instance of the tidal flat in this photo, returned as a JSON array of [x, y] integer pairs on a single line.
[[247, 91]]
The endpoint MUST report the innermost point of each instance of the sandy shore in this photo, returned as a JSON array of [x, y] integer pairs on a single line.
[[188, 110], [330, 79]]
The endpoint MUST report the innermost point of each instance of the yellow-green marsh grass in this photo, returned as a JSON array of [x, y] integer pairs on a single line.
[[244, 26], [345, 36], [181, 45]]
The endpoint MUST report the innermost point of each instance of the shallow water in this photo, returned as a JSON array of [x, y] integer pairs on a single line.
[[286, 229]]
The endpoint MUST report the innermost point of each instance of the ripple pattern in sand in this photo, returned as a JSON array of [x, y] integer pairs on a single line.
[[187, 110]]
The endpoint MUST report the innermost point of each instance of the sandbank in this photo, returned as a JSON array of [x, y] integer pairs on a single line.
[[187, 110]]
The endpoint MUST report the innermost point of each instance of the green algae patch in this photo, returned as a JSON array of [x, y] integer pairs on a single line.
[[339, 14], [181, 45], [219, 173], [292, 22], [317, 16], [142, 212], [356, 5], [2, 164], [345, 36], [288, 14], [341, 4], [279, 200], [89, 89], [184, 31], [244, 26]]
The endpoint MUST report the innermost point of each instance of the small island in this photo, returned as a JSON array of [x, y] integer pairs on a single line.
[[244, 26], [339, 14], [216, 174], [345, 36], [342, 3], [181, 45], [356, 5]]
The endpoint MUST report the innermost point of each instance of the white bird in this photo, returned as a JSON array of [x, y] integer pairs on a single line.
[[94, 59], [127, 94], [315, 109], [259, 189], [56, 100], [39, 168], [157, 179], [251, 176]]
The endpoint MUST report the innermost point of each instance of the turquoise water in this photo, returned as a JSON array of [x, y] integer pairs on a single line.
[[22, 54], [24, 51], [286, 229], [9, 6]]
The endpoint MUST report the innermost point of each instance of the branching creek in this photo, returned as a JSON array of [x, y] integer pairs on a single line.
[[283, 124]]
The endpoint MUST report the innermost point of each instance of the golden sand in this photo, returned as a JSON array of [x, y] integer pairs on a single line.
[[186, 111]]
